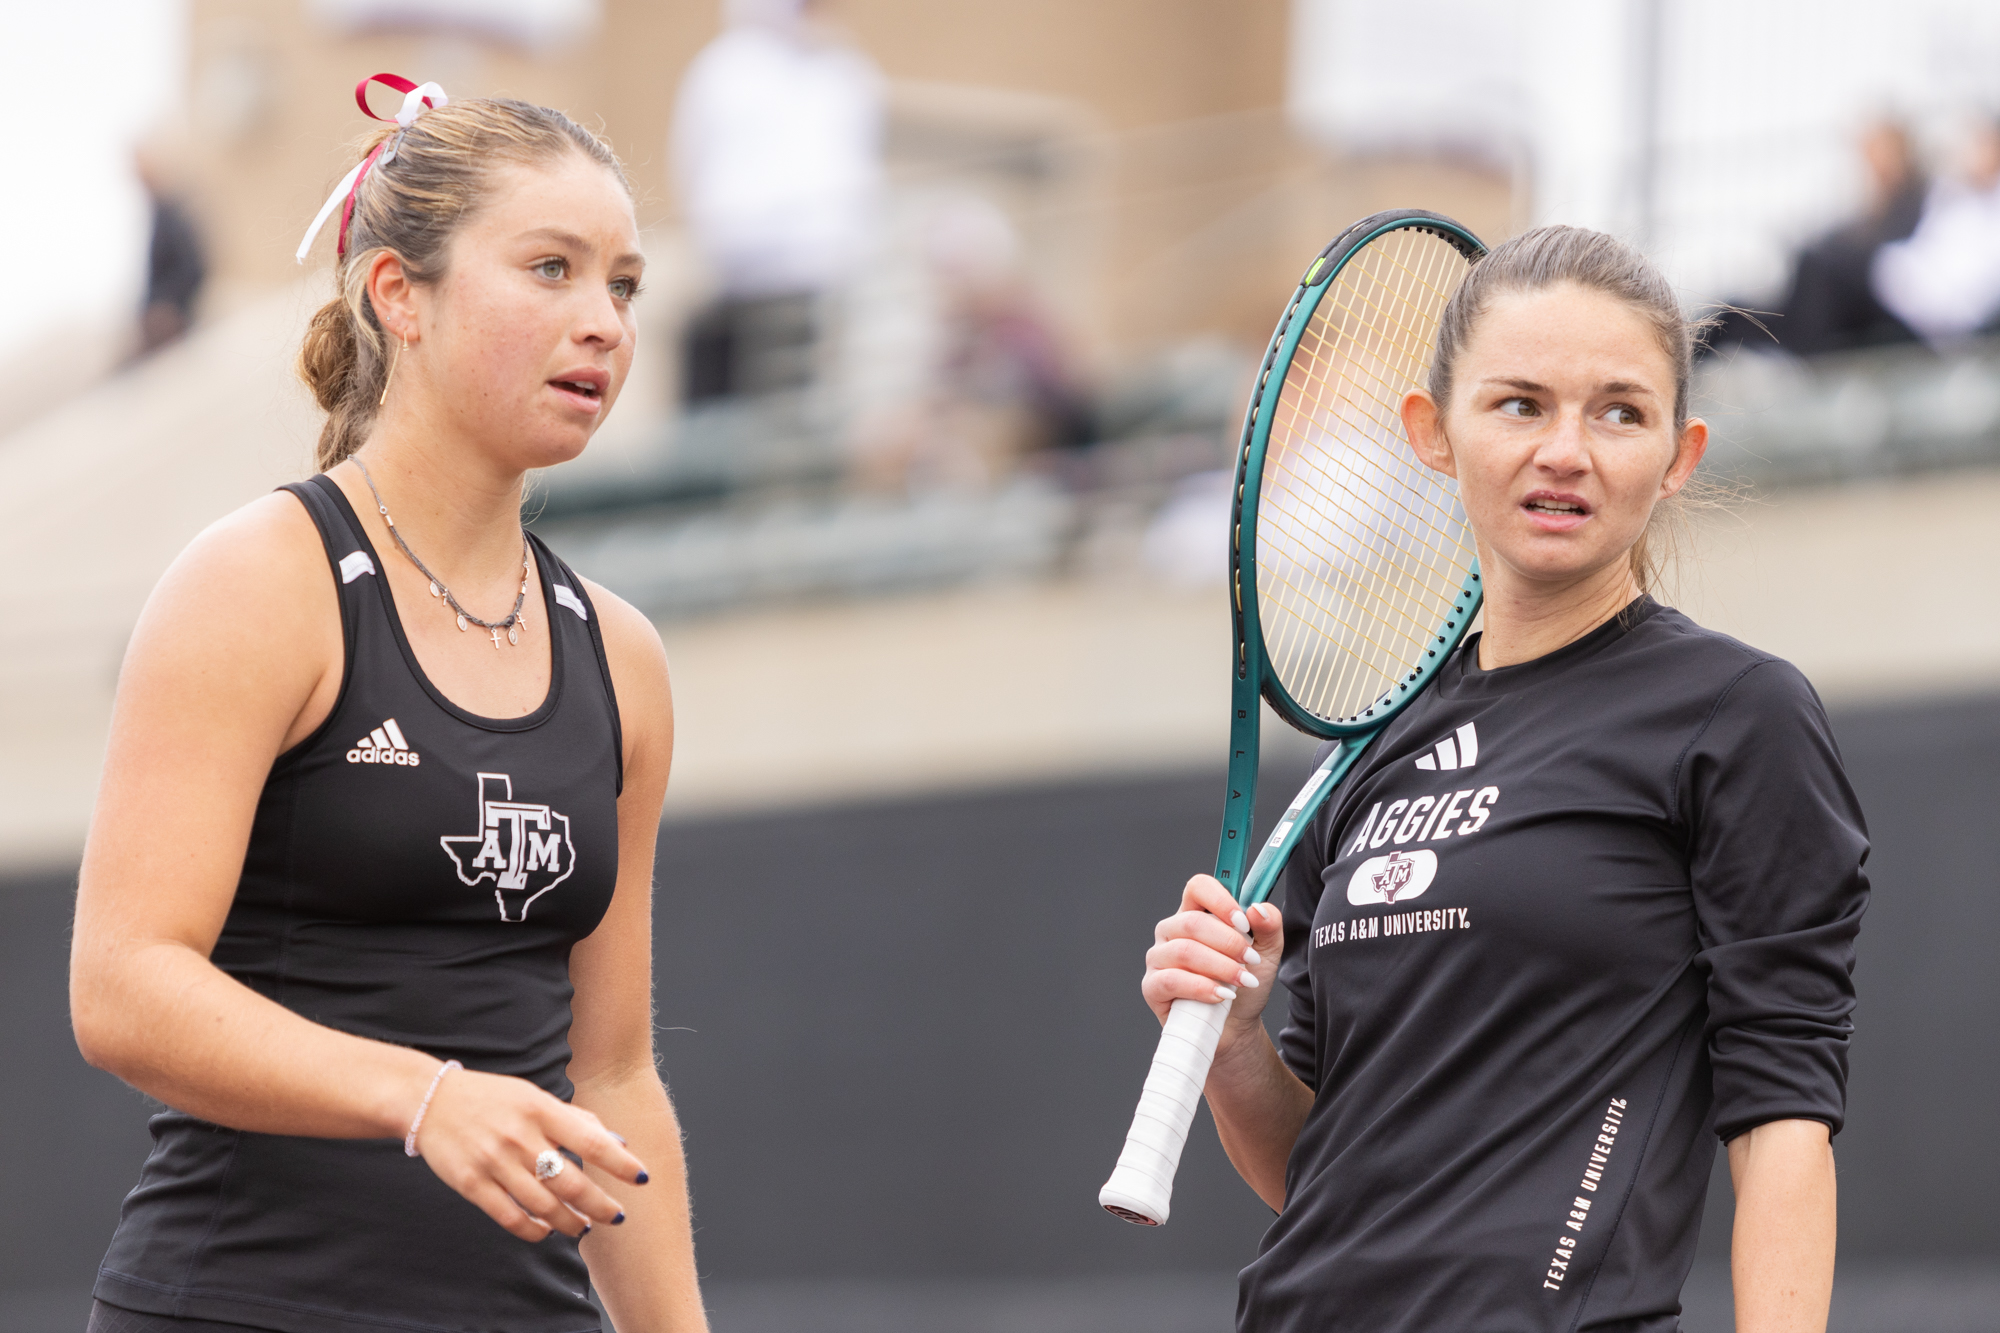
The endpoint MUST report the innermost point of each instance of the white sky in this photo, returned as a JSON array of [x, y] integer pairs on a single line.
[[84, 80]]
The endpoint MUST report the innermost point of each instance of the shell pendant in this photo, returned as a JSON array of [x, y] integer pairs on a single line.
[[461, 622], [437, 589]]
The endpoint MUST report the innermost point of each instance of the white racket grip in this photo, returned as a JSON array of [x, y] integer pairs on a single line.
[[1142, 1184]]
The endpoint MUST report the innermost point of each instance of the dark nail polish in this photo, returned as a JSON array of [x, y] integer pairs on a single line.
[[586, 1226], [616, 1220], [643, 1178]]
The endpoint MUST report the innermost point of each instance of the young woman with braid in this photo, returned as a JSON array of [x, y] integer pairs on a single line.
[[1585, 907], [369, 878]]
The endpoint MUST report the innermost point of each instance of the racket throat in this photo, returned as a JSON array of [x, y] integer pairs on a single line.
[[1239, 806], [1298, 817]]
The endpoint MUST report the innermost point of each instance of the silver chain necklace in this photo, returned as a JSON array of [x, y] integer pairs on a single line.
[[514, 621]]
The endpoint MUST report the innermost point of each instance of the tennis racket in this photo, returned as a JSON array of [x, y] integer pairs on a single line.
[[1352, 577]]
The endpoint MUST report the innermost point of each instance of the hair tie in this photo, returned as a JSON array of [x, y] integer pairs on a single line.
[[416, 100]]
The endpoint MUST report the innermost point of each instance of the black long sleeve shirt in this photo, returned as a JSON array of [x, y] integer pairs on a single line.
[[1564, 924]]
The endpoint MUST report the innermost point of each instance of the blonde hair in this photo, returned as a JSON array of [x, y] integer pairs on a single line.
[[411, 205], [1547, 257]]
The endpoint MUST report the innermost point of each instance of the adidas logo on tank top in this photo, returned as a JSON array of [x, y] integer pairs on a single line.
[[384, 745]]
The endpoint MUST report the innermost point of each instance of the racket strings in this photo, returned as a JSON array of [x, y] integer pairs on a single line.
[[1310, 482], [1367, 373], [1385, 559], [1413, 559], [1362, 550], [1385, 400]]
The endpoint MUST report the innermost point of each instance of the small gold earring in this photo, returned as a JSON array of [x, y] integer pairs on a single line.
[[394, 361]]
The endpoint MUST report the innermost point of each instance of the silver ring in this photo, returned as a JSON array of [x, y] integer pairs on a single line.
[[549, 1164]]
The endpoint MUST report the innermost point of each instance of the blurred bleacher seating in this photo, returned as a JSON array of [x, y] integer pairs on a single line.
[[750, 501], [1780, 420]]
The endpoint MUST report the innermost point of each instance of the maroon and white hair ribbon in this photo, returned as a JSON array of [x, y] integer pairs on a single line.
[[417, 99]]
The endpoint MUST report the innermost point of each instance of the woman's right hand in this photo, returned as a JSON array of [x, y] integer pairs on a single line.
[[1213, 950], [481, 1136]]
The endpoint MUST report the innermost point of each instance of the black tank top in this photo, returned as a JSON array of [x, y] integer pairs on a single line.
[[416, 874]]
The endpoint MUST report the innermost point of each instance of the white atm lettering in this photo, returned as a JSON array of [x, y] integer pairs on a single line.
[[490, 853], [522, 846], [543, 851]]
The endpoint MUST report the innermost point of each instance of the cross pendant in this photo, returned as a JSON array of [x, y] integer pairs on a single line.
[[496, 636]]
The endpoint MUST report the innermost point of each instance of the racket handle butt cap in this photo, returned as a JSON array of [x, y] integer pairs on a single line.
[[1129, 1205]]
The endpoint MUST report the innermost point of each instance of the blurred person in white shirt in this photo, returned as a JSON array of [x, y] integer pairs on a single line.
[[777, 147], [1944, 280]]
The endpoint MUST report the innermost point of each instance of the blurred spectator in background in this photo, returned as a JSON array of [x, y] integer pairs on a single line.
[[777, 154], [1830, 304], [1944, 280], [1002, 383], [176, 265]]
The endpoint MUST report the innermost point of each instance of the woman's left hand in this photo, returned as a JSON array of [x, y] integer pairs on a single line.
[[482, 1135]]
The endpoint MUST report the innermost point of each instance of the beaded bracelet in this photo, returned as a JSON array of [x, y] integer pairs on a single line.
[[410, 1139]]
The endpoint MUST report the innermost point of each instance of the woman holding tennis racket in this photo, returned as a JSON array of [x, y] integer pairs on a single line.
[[366, 898], [1587, 900]]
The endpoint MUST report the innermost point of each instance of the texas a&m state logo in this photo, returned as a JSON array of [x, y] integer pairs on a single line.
[[1397, 877], [522, 847]]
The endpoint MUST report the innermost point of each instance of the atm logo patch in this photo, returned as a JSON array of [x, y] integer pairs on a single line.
[[1395, 878], [523, 847]]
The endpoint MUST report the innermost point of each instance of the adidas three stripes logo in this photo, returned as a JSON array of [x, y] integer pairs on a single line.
[[1458, 750]]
